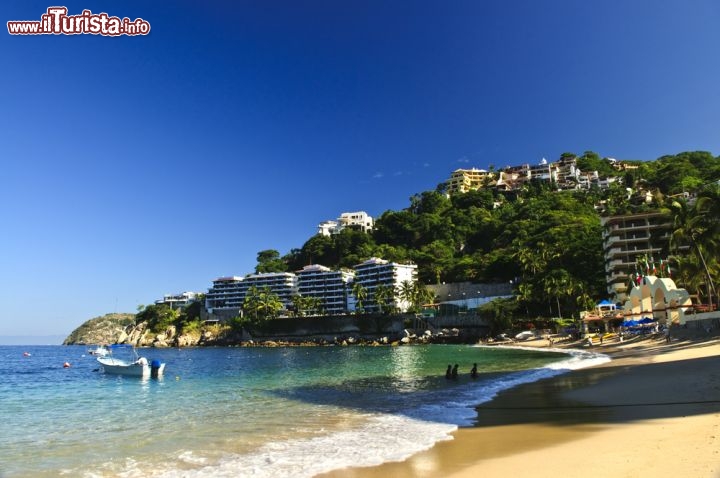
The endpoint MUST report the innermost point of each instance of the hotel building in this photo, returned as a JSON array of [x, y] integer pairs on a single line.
[[627, 237], [228, 293], [331, 287], [225, 295], [375, 272]]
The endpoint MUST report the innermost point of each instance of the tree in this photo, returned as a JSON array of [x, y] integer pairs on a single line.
[[421, 296], [361, 294], [558, 283], [307, 305], [690, 230], [269, 261], [261, 304], [499, 314], [384, 298], [408, 293], [158, 317]]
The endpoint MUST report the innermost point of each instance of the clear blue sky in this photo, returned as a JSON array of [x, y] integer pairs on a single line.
[[137, 166]]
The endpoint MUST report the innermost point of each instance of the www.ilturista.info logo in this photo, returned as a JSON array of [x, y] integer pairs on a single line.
[[57, 22]]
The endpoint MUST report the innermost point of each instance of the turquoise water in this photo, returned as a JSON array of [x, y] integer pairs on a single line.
[[246, 411]]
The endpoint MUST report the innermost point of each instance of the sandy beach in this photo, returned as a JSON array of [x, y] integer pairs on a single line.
[[653, 411]]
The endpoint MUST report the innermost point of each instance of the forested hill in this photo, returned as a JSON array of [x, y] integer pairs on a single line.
[[551, 239]]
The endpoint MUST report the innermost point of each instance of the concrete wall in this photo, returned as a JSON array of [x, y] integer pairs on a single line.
[[370, 326], [454, 291]]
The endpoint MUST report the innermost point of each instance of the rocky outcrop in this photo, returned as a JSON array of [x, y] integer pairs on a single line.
[[342, 331], [101, 330]]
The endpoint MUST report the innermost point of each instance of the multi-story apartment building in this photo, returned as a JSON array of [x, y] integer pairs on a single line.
[[359, 220], [284, 284], [625, 238], [464, 180], [375, 272], [331, 287], [225, 295], [178, 301], [228, 293]]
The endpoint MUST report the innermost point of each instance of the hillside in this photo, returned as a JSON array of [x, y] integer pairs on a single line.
[[100, 330]]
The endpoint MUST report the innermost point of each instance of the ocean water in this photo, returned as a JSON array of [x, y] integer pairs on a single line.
[[257, 412]]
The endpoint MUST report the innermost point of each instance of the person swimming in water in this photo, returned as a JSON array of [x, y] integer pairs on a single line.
[[473, 371], [448, 372], [454, 372]]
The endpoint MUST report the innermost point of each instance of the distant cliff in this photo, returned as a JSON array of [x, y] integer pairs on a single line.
[[101, 330]]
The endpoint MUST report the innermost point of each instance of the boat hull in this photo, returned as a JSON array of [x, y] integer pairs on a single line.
[[130, 369]]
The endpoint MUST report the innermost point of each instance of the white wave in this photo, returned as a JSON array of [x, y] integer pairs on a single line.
[[382, 438]]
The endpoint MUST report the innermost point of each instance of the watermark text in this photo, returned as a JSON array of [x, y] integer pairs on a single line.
[[56, 21]]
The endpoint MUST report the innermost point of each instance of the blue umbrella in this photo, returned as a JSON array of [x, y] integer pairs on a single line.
[[630, 323], [647, 320]]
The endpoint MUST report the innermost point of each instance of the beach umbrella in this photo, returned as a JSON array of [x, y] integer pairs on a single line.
[[630, 323]]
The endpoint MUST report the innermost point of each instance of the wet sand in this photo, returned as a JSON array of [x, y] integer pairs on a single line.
[[653, 411]]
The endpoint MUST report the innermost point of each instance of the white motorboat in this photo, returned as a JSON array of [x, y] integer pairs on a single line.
[[134, 366], [99, 351]]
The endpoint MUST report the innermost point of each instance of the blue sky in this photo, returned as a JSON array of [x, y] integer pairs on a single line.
[[137, 166]]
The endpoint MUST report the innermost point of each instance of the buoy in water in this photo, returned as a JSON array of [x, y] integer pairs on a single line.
[[26, 354], [66, 365]]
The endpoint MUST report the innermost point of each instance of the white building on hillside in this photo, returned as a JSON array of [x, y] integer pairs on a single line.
[[348, 220], [331, 287], [375, 272], [284, 284], [178, 301], [228, 293], [225, 295]]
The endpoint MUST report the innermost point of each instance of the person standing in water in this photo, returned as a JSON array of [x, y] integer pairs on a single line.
[[473, 371], [448, 372], [455, 371]]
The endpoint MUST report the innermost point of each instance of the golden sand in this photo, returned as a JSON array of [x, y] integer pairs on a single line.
[[653, 411]]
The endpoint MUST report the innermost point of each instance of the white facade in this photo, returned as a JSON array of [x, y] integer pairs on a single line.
[[178, 301], [230, 292], [354, 220], [625, 238], [330, 286], [328, 227], [375, 272], [225, 294], [284, 284]]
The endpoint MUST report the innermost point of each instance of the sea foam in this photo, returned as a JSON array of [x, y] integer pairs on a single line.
[[381, 438]]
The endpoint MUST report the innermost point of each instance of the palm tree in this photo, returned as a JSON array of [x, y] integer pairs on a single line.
[[422, 296], [558, 283], [262, 304], [384, 298], [361, 294], [690, 229], [269, 303], [408, 294]]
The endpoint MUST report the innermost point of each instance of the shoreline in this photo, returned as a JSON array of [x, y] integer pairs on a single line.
[[653, 410]]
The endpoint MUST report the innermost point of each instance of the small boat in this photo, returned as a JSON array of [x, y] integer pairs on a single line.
[[133, 366], [100, 351]]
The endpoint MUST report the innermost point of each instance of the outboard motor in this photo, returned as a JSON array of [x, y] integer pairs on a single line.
[[155, 368]]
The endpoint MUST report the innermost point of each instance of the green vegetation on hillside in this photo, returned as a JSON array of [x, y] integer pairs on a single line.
[[548, 242]]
